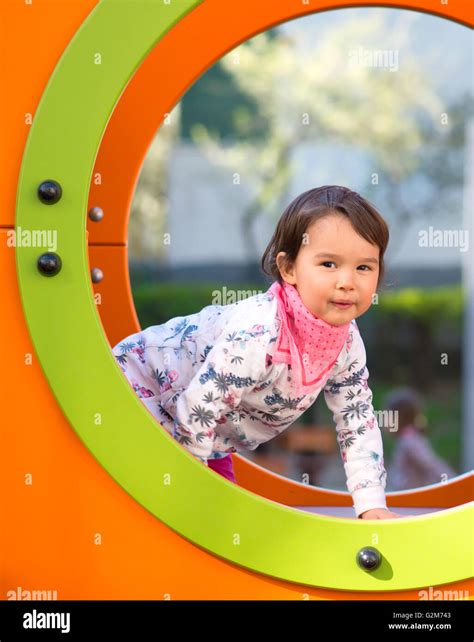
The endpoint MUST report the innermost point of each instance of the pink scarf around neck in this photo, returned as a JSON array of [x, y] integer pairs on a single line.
[[309, 344]]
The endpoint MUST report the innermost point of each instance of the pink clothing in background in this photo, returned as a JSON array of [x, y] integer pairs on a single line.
[[415, 463], [308, 343], [223, 466]]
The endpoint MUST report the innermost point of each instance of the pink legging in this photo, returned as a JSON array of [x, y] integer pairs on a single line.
[[223, 466]]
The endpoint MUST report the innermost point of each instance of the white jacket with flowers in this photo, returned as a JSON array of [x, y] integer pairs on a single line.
[[209, 380]]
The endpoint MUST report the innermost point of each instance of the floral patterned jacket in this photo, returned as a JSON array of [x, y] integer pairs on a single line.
[[209, 380]]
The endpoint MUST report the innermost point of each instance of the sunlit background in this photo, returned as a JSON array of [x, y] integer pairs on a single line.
[[378, 100]]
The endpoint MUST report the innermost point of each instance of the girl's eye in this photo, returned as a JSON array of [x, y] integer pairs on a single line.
[[330, 263]]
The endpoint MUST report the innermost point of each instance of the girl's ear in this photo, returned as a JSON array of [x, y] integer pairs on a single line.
[[287, 272]]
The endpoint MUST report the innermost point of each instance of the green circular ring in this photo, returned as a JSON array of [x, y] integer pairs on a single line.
[[110, 420]]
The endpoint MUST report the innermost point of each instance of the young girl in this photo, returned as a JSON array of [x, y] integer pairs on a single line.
[[231, 377]]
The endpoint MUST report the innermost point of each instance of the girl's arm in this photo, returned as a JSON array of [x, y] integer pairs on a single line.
[[349, 397]]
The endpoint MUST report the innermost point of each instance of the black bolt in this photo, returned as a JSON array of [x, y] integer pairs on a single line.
[[49, 264], [49, 192], [96, 214], [369, 558]]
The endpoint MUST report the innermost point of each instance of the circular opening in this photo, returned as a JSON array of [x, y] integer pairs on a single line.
[[285, 112]]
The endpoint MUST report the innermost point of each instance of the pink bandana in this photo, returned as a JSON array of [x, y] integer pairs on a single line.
[[309, 344]]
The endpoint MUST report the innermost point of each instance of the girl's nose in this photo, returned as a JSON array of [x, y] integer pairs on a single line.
[[345, 280]]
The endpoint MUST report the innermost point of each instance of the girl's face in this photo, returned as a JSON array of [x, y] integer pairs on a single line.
[[334, 264]]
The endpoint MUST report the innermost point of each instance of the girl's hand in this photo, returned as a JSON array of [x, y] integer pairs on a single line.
[[379, 513]]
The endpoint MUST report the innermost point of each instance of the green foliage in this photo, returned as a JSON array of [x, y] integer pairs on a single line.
[[226, 111], [423, 304], [218, 102], [157, 303]]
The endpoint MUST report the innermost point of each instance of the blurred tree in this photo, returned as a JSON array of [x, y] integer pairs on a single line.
[[149, 204], [314, 93], [216, 101], [440, 164], [249, 110]]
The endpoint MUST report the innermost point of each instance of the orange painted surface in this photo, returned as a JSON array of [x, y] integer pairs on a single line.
[[113, 261], [56, 498], [33, 39], [282, 490]]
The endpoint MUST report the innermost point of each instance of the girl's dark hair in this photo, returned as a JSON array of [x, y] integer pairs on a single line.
[[313, 205]]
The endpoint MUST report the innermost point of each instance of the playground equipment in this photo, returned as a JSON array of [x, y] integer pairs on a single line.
[[99, 503]]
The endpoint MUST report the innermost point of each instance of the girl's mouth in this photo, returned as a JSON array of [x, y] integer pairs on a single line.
[[342, 306]]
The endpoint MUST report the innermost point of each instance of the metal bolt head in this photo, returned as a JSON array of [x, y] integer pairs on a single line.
[[97, 275], [369, 558], [49, 192], [96, 214], [49, 264]]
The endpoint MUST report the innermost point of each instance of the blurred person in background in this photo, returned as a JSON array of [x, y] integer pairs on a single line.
[[414, 462]]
